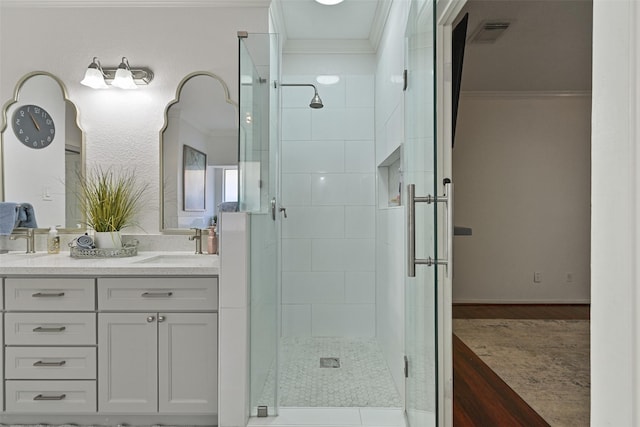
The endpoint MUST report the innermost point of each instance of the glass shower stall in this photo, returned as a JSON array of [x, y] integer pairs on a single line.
[[313, 187]]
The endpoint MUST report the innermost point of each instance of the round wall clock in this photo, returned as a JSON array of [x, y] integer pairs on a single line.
[[33, 126]]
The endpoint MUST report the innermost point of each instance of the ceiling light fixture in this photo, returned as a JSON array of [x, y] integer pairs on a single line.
[[329, 2], [123, 77]]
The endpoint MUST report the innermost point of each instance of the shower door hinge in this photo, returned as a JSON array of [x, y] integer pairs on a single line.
[[405, 80], [406, 367]]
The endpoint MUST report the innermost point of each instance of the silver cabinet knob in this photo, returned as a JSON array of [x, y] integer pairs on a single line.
[[161, 318], [150, 319]]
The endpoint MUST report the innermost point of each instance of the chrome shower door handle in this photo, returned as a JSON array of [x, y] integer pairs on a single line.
[[411, 227], [273, 208], [450, 227]]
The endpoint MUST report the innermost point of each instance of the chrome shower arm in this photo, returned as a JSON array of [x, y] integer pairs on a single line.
[[316, 102]]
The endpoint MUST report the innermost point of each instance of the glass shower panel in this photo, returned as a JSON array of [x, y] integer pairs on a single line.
[[420, 170], [258, 186]]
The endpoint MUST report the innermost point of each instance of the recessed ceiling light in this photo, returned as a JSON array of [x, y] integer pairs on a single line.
[[327, 79], [329, 2]]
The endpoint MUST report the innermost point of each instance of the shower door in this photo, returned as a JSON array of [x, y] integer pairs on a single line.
[[420, 179], [258, 192]]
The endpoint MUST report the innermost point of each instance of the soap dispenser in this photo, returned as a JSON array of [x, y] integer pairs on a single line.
[[53, 241]]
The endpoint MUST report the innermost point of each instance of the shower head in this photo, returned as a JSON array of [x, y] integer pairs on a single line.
[[316, 102]]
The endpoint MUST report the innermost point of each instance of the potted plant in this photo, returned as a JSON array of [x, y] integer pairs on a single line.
[[110, 202]]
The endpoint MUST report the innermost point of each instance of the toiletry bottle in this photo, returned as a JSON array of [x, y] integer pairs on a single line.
[[212, 241], [53, 241]]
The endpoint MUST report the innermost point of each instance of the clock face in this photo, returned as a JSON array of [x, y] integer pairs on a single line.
[[33, 126]]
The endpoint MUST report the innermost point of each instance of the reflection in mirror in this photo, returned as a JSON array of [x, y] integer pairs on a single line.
[[42, 151], [202, 124]]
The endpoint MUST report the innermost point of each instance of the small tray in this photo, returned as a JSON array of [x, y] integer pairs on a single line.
[[129, 249]]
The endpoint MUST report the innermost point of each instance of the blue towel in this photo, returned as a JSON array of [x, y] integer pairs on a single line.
[[8, 217], [26, 216]]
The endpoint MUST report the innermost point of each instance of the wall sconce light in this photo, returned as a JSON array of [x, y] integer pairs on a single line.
[[123, 77]]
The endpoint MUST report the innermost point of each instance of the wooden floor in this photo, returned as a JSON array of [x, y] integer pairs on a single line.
[[480, 397]]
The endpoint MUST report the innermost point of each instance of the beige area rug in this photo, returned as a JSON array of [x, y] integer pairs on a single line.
[[545, 361]]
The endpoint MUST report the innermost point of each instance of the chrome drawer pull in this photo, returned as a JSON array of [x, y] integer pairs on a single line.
[[156, 294], [48, 294], [45, 329], [43, 397], [41, 363]]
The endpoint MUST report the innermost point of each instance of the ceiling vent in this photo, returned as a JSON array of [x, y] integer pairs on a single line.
[[489, 31]]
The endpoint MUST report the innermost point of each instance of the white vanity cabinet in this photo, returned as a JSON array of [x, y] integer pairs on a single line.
[[50, 339], [157, 345]]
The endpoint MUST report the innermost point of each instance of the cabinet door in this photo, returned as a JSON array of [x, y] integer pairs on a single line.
[[1, 363], [188, 362], [127, 362]]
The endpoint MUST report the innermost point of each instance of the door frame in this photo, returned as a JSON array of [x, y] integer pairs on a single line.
[[446, 13]]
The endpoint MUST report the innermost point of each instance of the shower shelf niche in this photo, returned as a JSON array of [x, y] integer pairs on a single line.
[[390, 180]]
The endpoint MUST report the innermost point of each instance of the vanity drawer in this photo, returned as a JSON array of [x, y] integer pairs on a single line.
[[52, 363], [50, 396], [50, 328], [59, 294], [153, 294]]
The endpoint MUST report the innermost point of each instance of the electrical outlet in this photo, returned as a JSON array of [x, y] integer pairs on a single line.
[[537, 277], [568, 277]]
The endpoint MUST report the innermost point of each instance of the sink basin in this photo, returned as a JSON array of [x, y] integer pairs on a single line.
[[26, 255], [171, 259]]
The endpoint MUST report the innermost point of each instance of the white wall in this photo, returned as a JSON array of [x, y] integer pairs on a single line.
[[328, 188], [122, 127], [522, 170], [615, 242], [390, 242]]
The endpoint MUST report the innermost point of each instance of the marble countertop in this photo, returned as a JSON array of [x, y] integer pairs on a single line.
[[143, 264]]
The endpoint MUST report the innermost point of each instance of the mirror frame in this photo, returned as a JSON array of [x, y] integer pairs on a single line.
[[228, 100], [5, 123]]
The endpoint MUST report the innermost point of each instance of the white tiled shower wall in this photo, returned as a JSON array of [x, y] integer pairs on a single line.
[[328, 188]]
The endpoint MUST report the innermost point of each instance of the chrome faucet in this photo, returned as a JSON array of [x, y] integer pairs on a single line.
[[198, 238], [30, 235]]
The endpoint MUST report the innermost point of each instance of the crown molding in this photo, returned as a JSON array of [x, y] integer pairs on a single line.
[[324, 46], [278, 21], [379, 22], [136, 3]]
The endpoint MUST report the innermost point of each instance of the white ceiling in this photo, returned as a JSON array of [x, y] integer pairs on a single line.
[[546, 48], [351, 26]]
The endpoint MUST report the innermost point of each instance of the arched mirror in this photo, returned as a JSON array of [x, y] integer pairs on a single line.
[[199, 153], [42, 152]]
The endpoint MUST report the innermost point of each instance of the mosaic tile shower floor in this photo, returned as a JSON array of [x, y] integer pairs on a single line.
[[363, 379]]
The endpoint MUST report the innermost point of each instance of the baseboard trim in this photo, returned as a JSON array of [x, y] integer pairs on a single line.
[[523, 302]]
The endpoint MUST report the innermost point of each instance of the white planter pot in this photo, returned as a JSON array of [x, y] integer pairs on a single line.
[[107, 239]]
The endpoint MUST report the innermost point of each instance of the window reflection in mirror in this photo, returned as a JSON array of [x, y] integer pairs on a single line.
[[202, 117], [43, 175]]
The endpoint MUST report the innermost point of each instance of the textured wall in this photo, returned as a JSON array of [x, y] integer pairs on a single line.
[[122, 127]]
